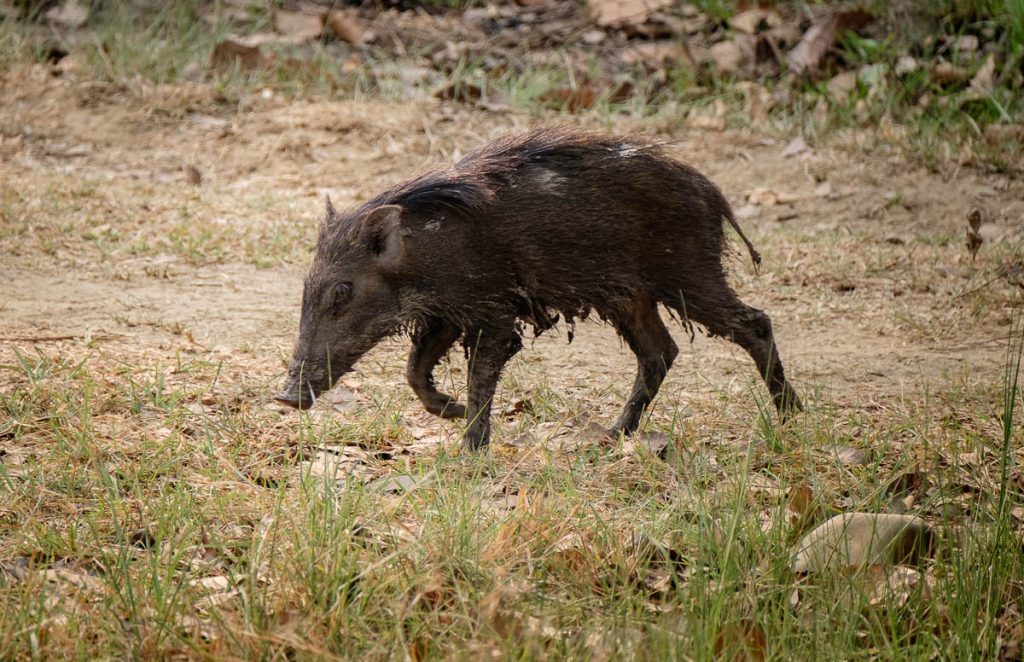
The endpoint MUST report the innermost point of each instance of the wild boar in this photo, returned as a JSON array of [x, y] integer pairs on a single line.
[[551, 223]]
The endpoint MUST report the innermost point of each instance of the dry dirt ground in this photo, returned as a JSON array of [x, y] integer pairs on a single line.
[[109, 252]]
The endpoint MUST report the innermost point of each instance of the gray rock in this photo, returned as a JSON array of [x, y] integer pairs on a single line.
[[854, 540]]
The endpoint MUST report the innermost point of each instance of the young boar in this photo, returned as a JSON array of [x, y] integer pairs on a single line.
[[550, 223]]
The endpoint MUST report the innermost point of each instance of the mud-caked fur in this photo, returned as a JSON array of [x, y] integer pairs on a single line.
[[532, 228]]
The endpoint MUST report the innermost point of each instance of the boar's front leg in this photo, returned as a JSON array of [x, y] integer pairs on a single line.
[[490, 349], [641, 327], [430, 342]]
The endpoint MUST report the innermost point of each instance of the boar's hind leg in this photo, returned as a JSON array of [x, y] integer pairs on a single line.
[[430, 342], [489, 350], [640, 325], [751, 329]]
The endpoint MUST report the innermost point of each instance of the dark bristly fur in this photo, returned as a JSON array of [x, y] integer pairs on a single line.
[[532, 227]]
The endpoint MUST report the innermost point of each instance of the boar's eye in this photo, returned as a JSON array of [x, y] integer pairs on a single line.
[[342, 294]]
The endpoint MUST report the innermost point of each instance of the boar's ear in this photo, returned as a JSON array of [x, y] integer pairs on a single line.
[[330, 208], [382, 234]]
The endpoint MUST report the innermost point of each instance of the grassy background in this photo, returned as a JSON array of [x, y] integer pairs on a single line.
[[939, 123]]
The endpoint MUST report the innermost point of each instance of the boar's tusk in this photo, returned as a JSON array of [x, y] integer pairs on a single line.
[[312, 394]]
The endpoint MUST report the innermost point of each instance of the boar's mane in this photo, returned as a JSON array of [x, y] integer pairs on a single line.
[[444, 190], [469, 186]]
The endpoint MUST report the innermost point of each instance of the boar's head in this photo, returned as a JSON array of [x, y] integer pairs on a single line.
[[349, 301]]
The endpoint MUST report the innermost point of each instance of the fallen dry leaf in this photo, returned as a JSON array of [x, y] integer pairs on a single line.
[[212, 583], [757, 100], [946, 74], [730, 57], [710, 117], [800, 499], [806, 56], [755, 20], [517, 409], [802, 511], [230, 53], [69, 13], [334, 463], [696, 22], [655, 55], [193, 176], [1011, 631], [916, 481], [80, 580], [143, 538], [974, 238], [299, 25], [341, 400], [585, 95], [906, 64], [894, 586], [744, 640], [573, 99], [621, 13], [766, 197], [347, 27], [965, 45], [655, 443], [17, 568], [984, 78], [996, 134], [796, 146], [394, 484], [842, 85], [849, 455], [460, 92]]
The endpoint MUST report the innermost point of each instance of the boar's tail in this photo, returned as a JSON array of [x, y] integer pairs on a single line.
[[755, 257]]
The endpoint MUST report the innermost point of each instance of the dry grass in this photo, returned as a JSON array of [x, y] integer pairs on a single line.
[[162, 510]]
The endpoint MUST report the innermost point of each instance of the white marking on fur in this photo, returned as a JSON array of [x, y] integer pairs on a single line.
[[548, 179], [627, 150]]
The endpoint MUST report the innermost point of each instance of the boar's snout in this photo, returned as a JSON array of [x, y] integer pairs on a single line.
[[298, 391]]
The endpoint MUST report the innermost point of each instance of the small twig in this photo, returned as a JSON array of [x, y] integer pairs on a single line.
[[980, 287], [967, 346], [57, 338]]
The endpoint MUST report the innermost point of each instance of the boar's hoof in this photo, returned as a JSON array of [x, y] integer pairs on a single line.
[[444, 406], [452, 410], [788, 403], [294, 400]]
